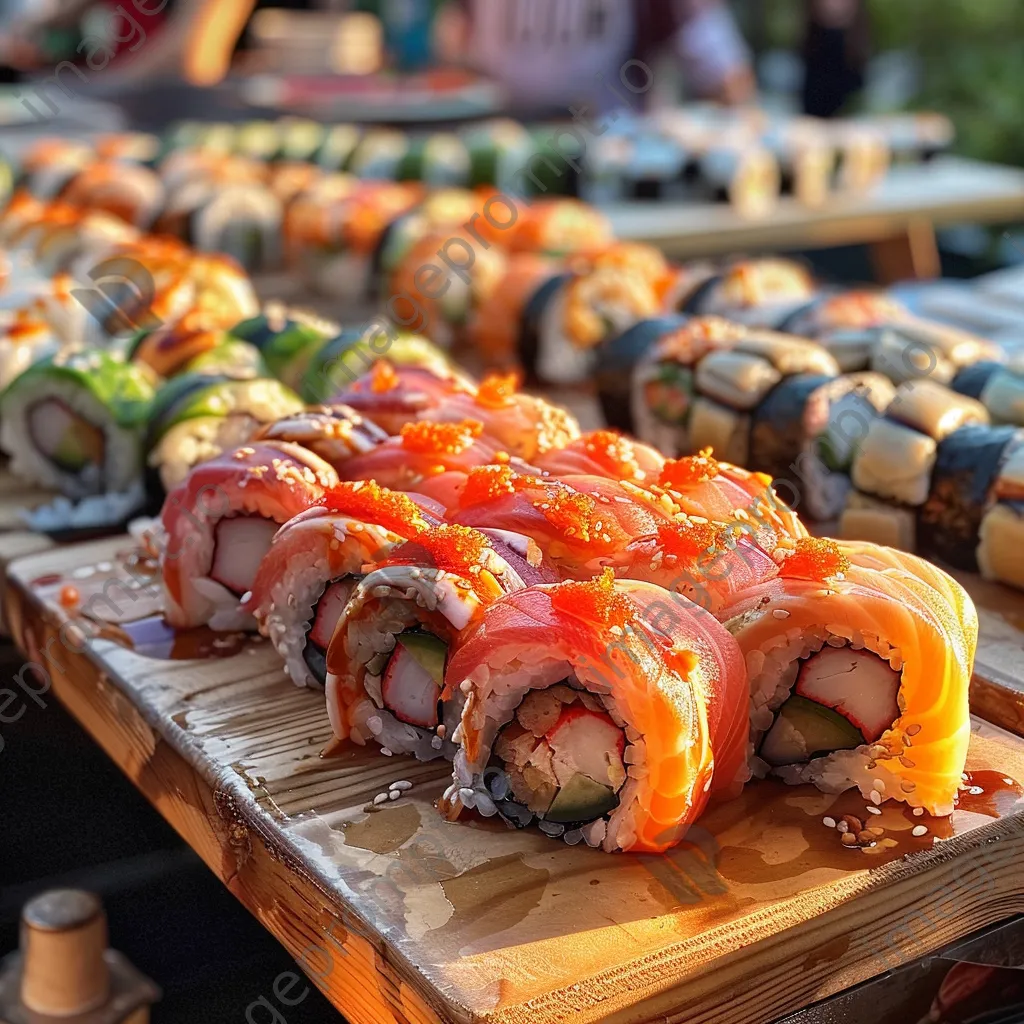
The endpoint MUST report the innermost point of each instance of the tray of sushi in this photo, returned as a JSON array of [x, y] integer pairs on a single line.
[[533, 721]]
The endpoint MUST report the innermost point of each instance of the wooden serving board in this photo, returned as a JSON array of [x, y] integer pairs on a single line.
[[400, 916]]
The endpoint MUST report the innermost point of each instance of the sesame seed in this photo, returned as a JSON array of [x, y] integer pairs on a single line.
[[441, 730], [401, 785], [380, 798], [874, 810], [1008, 782], [386, 751], [919, 830], [880, 785], [780, 613], [975, 791], [394, 794], [876, 798], [829, 822], [918, 811]]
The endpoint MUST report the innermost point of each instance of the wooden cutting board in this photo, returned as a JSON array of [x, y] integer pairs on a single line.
[[400, 916]]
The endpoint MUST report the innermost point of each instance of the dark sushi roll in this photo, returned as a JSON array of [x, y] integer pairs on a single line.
[[963, 486], [1003, 396], [336, 147], [498, 151], [757, 292], [973, 379], [806, 431], [440, 160], [1001, 535], [618, 358]]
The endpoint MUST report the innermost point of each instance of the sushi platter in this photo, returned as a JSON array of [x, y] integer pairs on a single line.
[[397, 914]]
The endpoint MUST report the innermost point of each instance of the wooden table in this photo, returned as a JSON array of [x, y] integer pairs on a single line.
[[897, 219], [403, 918]]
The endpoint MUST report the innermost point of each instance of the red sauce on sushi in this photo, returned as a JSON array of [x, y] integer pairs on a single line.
[[428, 438]]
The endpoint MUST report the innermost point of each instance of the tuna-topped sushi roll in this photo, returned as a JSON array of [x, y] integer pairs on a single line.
[[525, 426], [74, 423], [335, 432], [386, 661], [893, 466], [393, 396], [608, 712], [758, 292], [846, 323], [315, 562], [858, 677], [603, 453], [426, 457], [219, 522], [196, 416]]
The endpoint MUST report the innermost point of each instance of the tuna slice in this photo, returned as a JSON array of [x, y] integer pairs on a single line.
[[240, 542]]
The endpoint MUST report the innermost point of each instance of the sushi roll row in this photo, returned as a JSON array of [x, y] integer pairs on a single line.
[[934, 475], [761, 398], [601, 641]]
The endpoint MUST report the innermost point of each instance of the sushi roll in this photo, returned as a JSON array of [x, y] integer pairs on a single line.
[[1002, 392], [230, 357], [336, 147], [440, 160], [378, 155], [863, 157], [747, 176], [757, 292], [526, 426], [315, 562], [805, 433], [24, 341], [895, 459], [603, 453], [300, 139], [218, 523], [1001, 534], [498, 151], [196, 416], [386, 661], [131, 192], [866, 688], [426, 457], [916, 348], [806, 159], [50, 163], [617, 744], [74, 422], [560, 227], [287, 339], [334, 432], [964, 488]]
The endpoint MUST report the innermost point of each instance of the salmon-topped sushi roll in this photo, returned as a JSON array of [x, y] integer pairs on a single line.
[[219, 522], [608, 712]]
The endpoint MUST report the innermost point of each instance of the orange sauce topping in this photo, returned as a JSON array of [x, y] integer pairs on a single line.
[[596, 601], [497, 390], [678, 474], [487, 483], [383, 377], [368, 501], [429, 438], [454, 549], [815, 558]]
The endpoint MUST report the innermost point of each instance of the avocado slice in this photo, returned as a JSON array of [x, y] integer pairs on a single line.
[[581, 799], [429, 652], [803, 730]]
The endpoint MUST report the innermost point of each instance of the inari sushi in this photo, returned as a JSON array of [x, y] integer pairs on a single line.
[[387, 658], [606, 712], [315, 562], [219, 522], [859, 672]]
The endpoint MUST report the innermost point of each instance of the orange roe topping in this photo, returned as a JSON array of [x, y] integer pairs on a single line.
[[614, 452], [689, 540], [69, 596], [487, 483], [455, 549], [497, 390], [366, 500], [575, 515], [383, 377], [429, 438], [595, 601], [815, 558], [678, 474]]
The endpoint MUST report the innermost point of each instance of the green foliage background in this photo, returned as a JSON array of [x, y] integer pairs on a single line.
[[971, 54]]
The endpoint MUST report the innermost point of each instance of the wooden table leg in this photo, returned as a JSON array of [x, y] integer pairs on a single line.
[[911, 255]]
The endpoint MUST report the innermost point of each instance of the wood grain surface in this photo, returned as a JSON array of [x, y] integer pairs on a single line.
[[400, 916]]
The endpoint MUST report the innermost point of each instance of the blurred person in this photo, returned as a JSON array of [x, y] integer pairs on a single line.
[[552, 53], [835, 51]]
